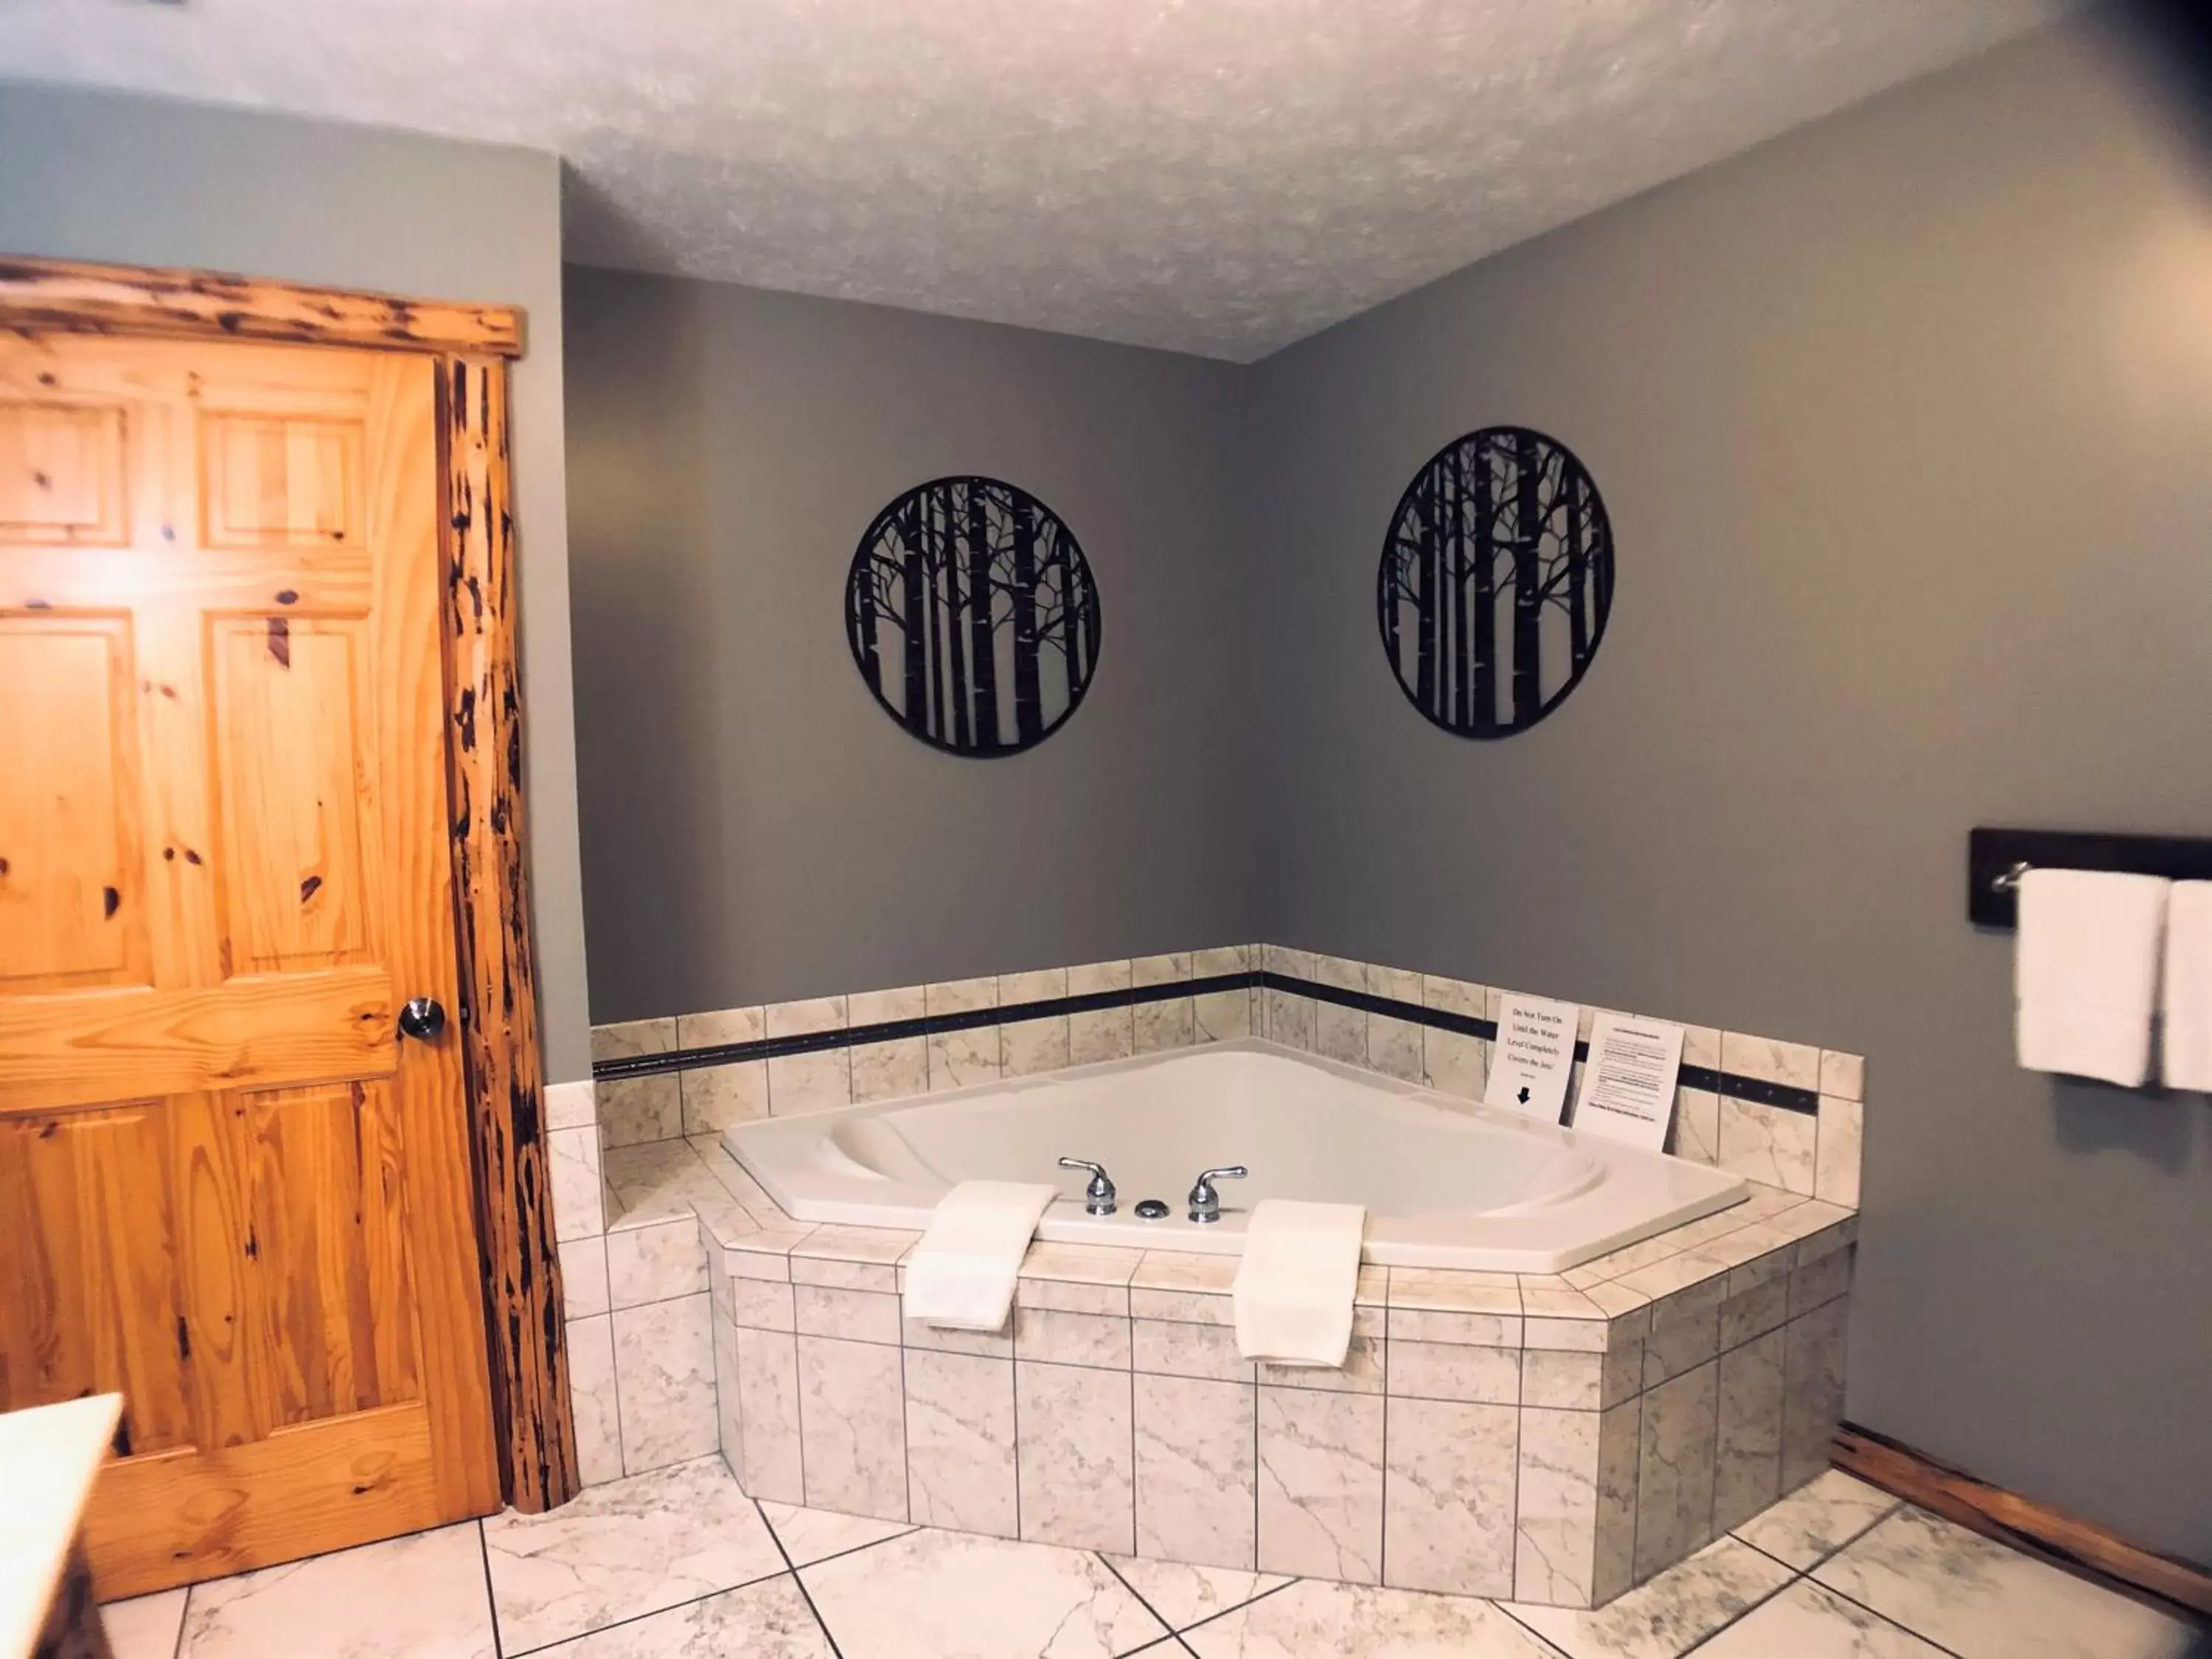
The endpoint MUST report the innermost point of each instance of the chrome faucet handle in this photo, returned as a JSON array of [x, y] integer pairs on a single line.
[[1204, 1202], [1098, 1196]]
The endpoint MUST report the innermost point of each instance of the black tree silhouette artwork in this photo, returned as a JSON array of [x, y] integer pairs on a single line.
[[973, 616], [1496, 581]]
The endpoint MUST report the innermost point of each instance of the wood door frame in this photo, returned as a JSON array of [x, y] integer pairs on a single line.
[[472, 345]]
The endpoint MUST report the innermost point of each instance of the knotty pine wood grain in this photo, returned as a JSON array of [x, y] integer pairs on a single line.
[[522, 1273], [86, 298], [233, 1192]]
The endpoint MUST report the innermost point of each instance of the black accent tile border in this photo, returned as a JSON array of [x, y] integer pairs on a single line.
[[1757, 1090], [893, 1030]]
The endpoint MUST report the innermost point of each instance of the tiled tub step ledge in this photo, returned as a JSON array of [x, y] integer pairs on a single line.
[[1765, 1091], [1553, 1438]]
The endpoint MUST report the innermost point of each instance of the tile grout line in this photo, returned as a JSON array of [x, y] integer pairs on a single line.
[[655, 1613], [906, 1419], [1807, 1577], [1550, 1646], [799, 1416], [1014, 1383], [1636, 1504], [1832, 1550], [1258, 1476], [1744, 1611], [614, 1365], [630, 1618], [804, 1595], [906, 1529], [1513, 1550], [491, 1597], [1290, 1581], [1133, 1459], [1383, 1481], [1713, 1501], [298, 1561], [1173, 1635]]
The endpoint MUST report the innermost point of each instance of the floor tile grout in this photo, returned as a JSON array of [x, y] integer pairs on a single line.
[[839, 1555], [185, 1616], [804, 1595], [1832, 1550], [1745, 1611], [1196, 1623], [1823, 1604], [491, 1596], [1894, 1622], [1526, 1625], [1165, 1624], [654, 1613], [1805, 1575], [184, 1621]]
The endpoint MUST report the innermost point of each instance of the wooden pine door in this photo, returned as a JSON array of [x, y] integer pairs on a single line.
[[229, 1189]]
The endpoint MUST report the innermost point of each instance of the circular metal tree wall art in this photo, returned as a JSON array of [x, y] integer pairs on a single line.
[[1497, 579], [973, 616]]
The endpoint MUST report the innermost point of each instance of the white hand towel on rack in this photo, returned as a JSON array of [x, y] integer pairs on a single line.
[[2085, 972], [961, 1276], [1294, 1286], [2188, 1063]]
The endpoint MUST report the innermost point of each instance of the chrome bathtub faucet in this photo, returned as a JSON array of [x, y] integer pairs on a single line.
[[1098, 1196], [1204, 1202]]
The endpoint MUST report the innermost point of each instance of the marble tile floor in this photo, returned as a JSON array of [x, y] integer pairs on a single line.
[[680, 1564]]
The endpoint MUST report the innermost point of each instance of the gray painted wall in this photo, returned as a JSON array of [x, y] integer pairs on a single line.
[[757, 829], [1906, 426], [151, 181]]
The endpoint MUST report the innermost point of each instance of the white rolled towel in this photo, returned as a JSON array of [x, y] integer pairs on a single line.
[[2085, 972], [1295, 1286], [961, 1277], [2188, 1063]]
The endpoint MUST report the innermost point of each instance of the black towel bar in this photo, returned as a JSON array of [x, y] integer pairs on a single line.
[[1996, 858]]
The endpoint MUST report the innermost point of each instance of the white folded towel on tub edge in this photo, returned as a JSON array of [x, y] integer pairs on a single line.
[[961, 1277], [1294, 1288]]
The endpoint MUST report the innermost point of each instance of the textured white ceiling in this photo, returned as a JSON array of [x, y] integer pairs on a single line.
[[1214, 176]]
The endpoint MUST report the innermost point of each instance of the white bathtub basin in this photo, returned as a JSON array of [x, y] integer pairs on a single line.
[[1446, 1184]]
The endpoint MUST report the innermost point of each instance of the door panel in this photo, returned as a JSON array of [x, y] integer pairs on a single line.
[[61, 473], [326, 1214], [72, 899], [281, 483], [89, 1290], [228, 1188], [298, 790]]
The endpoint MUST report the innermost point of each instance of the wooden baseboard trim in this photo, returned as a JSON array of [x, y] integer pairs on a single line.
[[2020, 1522]]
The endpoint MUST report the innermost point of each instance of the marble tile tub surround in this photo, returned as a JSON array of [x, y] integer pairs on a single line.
[[680, 1563], [633, 1280], [651, 1366], [1785, 1113], [1556, 1439]]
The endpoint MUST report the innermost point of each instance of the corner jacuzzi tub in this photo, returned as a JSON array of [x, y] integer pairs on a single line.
[[1446, 1184]]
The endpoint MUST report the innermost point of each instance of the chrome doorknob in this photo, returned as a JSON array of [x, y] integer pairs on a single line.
[[423, 1018]]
